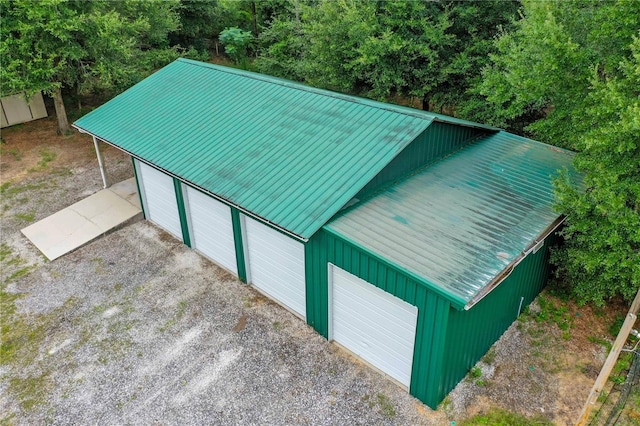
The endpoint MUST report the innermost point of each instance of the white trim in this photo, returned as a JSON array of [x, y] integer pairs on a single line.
[[245, 248], [330, 267], [143, 195]]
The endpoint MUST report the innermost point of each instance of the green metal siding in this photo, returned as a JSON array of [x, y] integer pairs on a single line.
[[182, 212], [471, 333], [433, 310], [237, 238], [436, 142]]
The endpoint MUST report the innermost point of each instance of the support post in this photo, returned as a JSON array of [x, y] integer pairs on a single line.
[[611, 360], [100, 163]]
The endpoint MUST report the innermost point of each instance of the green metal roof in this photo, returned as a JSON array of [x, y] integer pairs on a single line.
[[284, 152], [462, 221]]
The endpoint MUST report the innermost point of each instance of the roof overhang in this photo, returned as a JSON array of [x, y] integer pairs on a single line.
[[217, 197], [504, 274]]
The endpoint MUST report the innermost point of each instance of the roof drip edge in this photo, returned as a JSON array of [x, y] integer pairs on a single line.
[[504, 274]]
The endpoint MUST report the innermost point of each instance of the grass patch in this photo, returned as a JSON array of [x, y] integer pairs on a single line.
[[31, 391], [14, 152], [182, 308], [99, 265], [20, 346], [600, 341], [23, 336], [614, 328], [557, 313], [29, 216], [5, 251], [46, 156], [490, 356], [383, 402], [500, 417], [475, 372], [8, 189]]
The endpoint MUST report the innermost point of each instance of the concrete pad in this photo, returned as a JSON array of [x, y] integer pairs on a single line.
[[127, 189], [85, 220]]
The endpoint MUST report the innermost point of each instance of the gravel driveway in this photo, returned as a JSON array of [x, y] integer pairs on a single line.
[[136, 328]]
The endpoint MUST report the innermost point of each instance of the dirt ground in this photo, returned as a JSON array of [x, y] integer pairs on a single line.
[[544, 365]]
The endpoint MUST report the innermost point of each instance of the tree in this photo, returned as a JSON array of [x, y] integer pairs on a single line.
[[601, 257], [54, 44], [432, 51], [544, 68], [236, 42], [198, 24]]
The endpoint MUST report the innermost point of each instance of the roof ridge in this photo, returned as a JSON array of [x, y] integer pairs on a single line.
[[397, 109]]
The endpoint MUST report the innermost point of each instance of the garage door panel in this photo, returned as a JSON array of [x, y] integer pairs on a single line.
[[398, 311], [394, 317], [161, 206], [363, 325], [276, 265], [373, 324], [211, 228]]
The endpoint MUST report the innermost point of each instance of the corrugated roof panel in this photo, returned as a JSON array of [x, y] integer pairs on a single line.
[[289, 154], [462, 221]]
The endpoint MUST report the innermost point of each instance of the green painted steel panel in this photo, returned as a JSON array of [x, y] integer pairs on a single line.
[[182, 212], [433, 310], [237, 239], [286, 153], [471, 333], [460, 222], [436, 142]]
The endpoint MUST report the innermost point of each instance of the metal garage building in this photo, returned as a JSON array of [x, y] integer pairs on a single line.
[[411, 239]]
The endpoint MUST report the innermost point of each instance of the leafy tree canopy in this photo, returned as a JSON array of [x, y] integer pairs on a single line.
[[546, 66], [50, 44], [601, 258], [429, 50]]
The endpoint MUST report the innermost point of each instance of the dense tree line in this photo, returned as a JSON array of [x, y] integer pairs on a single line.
[[564, 72]]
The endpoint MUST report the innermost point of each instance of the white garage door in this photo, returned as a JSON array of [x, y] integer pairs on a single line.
[[276, 265], [159, 197], [373, 324], [211, 228]]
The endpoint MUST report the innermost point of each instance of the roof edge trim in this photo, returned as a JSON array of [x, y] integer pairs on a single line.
[[199, 188], [455, 301], [504, 274]]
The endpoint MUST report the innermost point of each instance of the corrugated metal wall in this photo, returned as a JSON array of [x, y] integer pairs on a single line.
[[471, 333], [433, 311], [437, 141]]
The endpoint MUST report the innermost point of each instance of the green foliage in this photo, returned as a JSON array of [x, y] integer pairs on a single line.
[[198, 24], [500, 417], [82, 46], [475, 372], [236, 42], [543, 71], [601, 256], [88, 45], [385, 50]]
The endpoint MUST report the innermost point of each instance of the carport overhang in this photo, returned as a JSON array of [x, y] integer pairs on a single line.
[[217, 197]]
